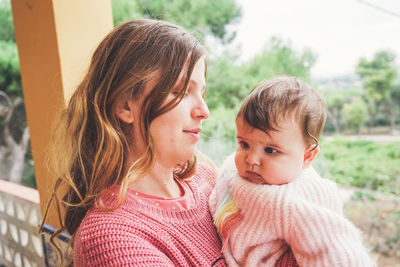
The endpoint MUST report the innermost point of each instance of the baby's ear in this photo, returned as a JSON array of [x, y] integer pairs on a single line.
[[309, 155], [125, 112]]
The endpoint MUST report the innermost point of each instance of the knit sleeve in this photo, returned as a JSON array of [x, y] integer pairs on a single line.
[[116, 244], [322, 236]]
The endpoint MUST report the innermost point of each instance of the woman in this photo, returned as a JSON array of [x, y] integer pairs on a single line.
[[125, 147]]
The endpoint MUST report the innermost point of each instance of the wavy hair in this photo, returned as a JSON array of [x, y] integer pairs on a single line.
[[90, 144]]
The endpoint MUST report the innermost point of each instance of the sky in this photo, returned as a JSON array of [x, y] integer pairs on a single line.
[[339, 32]]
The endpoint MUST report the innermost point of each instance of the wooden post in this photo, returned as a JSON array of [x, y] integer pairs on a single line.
[[55, 40]]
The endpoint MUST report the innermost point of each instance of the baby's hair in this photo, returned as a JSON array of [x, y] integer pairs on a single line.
[[285, 97]]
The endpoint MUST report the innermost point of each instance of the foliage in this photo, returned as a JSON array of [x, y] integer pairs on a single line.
[[362, 164], [124, 10], [221, 124], [379, 75], [204, 16], [219, 134], [379, 78], [280, 58], [395, 93], [335, 99], [29, 172], [10, 77], [6, 22], [229, 83], [354, 114], [13, 124]]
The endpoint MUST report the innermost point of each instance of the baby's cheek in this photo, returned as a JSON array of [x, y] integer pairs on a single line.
[[239, 160]]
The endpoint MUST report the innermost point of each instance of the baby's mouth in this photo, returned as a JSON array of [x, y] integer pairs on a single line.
[[254, 177]]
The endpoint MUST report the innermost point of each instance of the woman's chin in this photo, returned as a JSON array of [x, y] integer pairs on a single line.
[[188, 157]]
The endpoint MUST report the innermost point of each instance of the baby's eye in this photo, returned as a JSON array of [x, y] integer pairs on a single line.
[[270, 150], [244, 145]]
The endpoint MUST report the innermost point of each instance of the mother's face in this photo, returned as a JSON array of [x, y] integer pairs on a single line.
[[176, 132]]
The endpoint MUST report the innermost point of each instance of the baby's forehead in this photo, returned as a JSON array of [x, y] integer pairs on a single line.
[[279, 129], [278, 123]]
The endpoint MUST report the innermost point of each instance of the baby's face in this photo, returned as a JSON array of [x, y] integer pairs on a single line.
[[275, 159]]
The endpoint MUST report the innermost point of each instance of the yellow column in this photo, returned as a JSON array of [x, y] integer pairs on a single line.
[[55, 41]]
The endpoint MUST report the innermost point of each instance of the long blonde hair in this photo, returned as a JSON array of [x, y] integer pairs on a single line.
[[90, 143]]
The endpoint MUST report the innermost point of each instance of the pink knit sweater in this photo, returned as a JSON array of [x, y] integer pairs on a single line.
[[305, 214], [137, 234]]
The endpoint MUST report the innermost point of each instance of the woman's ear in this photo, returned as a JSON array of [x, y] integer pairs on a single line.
[[125, 111], [309, 156]]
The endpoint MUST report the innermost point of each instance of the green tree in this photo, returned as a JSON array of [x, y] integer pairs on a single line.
[[379, 75], [6, 22], [335, 99], [394, 105], [229, 82], [226, 83], [203, 16], [280, 58], [355, 114]]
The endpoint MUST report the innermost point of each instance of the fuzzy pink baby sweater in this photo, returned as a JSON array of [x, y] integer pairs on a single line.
[[305, 214], [140, 234]]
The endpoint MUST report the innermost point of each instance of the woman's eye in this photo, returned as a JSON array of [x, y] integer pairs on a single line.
[[176, 93], [244, 145], [270, 150]]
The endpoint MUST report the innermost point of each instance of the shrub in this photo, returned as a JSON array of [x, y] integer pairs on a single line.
[[363, 164]]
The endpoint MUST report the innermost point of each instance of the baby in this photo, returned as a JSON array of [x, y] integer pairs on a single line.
[[268, 199]]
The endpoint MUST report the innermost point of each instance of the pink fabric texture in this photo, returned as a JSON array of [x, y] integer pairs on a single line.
[[185, 202], [304, 216], [142, 234], [287, 260]]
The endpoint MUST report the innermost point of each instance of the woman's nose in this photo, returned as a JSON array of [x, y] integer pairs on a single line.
[[201, 110]]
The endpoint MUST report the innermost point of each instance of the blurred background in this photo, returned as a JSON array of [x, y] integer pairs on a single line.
[[346, 49]]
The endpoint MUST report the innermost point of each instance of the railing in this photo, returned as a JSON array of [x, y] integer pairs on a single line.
[[20, 242]]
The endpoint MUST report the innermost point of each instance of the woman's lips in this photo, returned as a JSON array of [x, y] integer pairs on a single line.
[[194, 133]]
